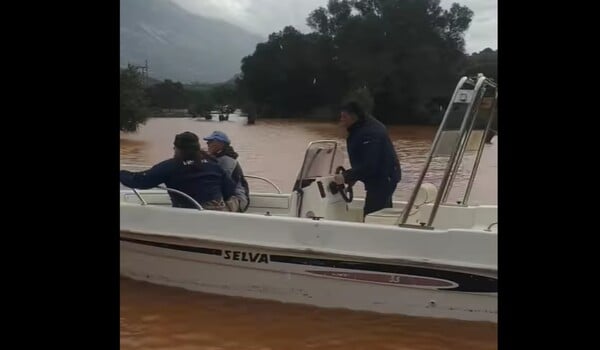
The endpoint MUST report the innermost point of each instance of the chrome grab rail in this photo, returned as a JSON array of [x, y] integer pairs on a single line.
[[196, 204], [265, 180]]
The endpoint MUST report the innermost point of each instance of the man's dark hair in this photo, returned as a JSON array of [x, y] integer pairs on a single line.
[[353, 108], [187, 141], [189, 146]]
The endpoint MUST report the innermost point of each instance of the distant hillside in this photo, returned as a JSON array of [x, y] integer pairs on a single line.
[[179, 45]]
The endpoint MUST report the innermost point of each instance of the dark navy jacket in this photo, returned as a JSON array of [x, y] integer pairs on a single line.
[[206, 183], [372, 156]]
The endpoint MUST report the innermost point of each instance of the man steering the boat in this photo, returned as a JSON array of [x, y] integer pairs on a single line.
[[191, 171], [373, 159]]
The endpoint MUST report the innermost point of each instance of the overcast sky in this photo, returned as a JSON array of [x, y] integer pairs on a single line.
[[266, 16]]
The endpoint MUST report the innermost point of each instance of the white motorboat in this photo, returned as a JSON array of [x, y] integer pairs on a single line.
[[423, 257]]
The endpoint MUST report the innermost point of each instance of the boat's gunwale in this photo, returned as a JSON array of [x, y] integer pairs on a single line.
[[316, 252]]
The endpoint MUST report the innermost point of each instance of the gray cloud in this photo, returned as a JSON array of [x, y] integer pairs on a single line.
[[266, 16]]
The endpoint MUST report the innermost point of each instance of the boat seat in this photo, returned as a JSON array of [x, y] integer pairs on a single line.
[[385, 216], [391, 216], [272, 203]]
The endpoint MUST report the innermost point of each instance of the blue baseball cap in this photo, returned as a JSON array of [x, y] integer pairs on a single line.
[[218, 136]]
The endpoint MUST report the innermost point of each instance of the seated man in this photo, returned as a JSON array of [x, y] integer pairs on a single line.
[[191, 171], [220, 147]]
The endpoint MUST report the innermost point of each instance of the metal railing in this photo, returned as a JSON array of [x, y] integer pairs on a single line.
[[186, 196], [436, 140], [140, 166], [455, 157], [265, 180]]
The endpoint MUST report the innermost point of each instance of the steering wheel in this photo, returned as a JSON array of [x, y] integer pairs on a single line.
[[345, 190]]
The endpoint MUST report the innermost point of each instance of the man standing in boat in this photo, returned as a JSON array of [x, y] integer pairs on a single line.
[[372, 158]]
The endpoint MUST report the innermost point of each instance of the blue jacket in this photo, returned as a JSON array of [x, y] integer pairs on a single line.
[[204, 183], [372, 156]]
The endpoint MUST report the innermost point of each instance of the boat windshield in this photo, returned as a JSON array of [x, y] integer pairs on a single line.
[[321, 159]]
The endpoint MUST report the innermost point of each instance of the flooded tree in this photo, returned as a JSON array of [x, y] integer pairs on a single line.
[[485, 61], [133, 109], [201, 103], [404, 53], [167, 94]]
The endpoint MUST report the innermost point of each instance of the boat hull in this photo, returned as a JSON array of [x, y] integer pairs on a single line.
[[322, 280]]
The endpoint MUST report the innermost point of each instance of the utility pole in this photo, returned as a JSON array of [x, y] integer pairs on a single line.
[[144, 71]]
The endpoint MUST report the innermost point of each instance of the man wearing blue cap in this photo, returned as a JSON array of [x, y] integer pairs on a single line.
[[219, 146]]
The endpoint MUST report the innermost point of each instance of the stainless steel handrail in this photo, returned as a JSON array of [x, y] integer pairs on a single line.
[[264, 179], [196, 204]]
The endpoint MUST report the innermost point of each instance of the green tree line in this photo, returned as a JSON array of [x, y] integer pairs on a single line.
[[400, 58]]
